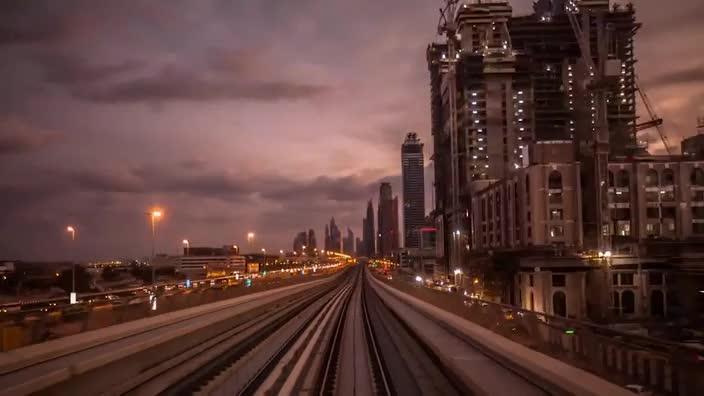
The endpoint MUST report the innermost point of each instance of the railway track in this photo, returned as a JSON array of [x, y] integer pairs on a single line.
[[347, 336]]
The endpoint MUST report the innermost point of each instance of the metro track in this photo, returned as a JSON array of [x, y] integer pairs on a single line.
[[346, 336]]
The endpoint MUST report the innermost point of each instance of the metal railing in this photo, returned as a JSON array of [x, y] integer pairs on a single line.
[[620, 357]]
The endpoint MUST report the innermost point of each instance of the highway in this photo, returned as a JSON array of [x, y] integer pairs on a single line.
[[345, 334]]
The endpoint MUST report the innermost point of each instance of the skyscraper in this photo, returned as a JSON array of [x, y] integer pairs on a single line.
[[326, 242], [368, 237], [500, 83], [312, 243], [388, 221], [348, 243], [333, 237], [299, 241], [413, 189]]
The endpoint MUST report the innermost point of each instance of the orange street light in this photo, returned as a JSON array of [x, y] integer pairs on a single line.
[[72, 231], [72, 297]]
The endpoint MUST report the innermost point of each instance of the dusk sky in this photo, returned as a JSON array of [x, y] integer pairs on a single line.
[[257, 115]]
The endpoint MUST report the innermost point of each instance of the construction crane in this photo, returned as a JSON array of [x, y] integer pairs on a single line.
[[655, 121], [596, 85], [448, 28]]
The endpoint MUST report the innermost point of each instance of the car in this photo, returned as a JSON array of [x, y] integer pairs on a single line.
[[639, 390]]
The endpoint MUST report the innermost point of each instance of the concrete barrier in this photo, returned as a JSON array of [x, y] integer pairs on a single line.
[[33, 354], [531, 364]]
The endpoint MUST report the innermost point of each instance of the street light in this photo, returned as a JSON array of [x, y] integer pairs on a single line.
[[72, 296], [250, 240], [187, 245], [154, 216]]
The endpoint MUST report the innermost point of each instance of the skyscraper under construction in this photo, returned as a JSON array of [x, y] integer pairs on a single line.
[[500, 83]]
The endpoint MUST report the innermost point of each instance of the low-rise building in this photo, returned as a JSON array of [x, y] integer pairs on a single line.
[[527, 238], [203, 262]]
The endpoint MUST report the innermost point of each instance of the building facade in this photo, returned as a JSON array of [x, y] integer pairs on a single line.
[[412, 176], [388, 235], [500, 82], [348, 243], [204, 262], [368, 235], [312, 245], [333, 237], [300, 241]]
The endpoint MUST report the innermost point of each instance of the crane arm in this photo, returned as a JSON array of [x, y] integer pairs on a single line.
[[654, 117]]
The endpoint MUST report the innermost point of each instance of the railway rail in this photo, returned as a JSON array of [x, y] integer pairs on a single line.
[[343, 335]]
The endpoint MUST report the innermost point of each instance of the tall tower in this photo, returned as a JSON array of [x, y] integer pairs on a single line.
[[481, 97], [388, 221], [368, 237], [335, 237], [312, 243], [413, 189]]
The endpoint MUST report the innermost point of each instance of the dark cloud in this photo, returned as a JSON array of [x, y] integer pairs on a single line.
[[41, 22], [61, 68], [692, 75], [239, 74], [193, 164], [16, 137], [111, 182], [219, 184], [175, 84]]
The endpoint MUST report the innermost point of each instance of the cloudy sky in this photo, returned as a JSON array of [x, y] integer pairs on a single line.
[[261, 115]]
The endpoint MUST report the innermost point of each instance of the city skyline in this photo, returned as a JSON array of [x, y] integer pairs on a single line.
[[148, 108]]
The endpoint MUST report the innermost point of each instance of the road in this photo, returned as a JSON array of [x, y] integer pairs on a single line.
[[342, 335]]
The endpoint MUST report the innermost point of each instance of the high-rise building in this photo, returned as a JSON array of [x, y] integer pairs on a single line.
[[312, 244], [413, 189], [368, 236], [333, 237], [359, 247], [499, 83], [539, 180], [348, 243], [388, 221], [299, 241]]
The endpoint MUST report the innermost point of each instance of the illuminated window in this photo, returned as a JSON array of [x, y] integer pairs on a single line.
[[555, 214]]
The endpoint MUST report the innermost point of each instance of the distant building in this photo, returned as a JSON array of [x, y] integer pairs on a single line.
[[312, 244], [368, 236], [413, 189], [203, 262], [348, 243], [388, 235], [326, 242], [359, 247], [423, 259], [300, 241], [693, 146]]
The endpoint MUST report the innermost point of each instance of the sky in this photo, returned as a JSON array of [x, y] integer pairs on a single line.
[[268, 116]]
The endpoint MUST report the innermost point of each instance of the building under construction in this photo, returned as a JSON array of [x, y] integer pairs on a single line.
[[533, 121]]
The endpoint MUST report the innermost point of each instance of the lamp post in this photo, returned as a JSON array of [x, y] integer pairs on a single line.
[[154, 216], [187, 244], [72, 297], [605, 258], [250, 240]]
